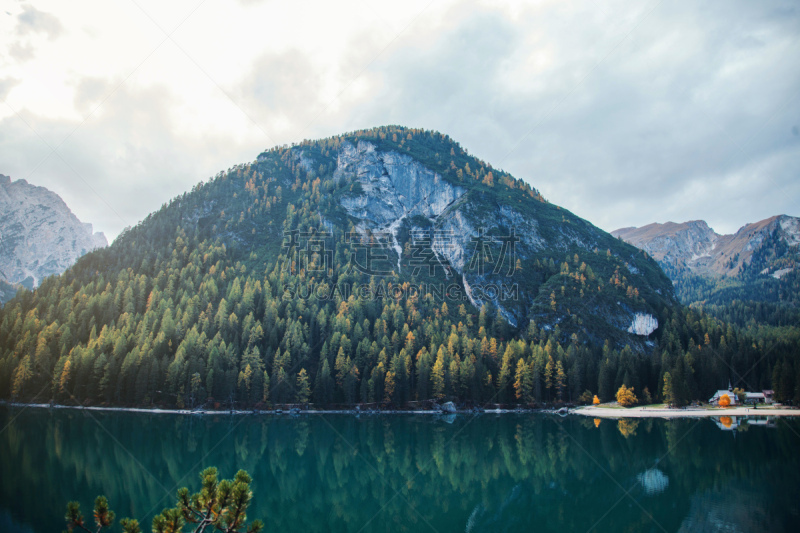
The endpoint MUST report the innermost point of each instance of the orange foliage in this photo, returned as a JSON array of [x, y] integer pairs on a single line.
[[626, 397], [627, 427]]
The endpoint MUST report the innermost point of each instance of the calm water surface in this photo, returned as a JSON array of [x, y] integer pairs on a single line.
[[411, 473]]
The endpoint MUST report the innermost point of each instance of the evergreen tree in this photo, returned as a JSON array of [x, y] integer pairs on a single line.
[[667, 392], [220, 505], [548, 376], [438, 376], [424, 374], [523, 385], [323, 388], [303, 389], [561, 380]]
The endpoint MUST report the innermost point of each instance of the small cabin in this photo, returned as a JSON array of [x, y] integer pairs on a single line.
[[714, 400], [755, 397]]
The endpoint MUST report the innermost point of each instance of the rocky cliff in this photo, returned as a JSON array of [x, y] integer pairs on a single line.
[[39, 235], [395, 186]]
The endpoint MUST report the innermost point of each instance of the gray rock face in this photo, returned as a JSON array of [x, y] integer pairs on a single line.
[[395, 186], [643, 324], [39, 235], [458, 222]]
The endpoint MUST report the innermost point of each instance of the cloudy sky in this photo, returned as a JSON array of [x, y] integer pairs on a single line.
[[623, 112]]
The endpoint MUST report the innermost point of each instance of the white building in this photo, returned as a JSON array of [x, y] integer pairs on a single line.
[[755, 397], [714, 400]]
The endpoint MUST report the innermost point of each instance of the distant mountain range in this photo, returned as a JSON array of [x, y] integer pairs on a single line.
[[755, 263], [39, 236], [695, 247]]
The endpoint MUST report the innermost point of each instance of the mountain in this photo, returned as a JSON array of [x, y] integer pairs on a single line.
[[756, 265], [383, 265], [695, 247], [40, 236]]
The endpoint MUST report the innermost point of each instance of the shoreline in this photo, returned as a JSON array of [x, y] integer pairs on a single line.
[[588, 411], [664, 412], [277, 412]]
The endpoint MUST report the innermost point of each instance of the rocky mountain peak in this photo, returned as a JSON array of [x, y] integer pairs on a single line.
[[39, 235], [675, 244]]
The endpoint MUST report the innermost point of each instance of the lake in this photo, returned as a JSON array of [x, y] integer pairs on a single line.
[[509, 472]]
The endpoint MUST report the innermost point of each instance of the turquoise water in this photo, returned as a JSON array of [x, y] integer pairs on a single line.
[[411, 473]]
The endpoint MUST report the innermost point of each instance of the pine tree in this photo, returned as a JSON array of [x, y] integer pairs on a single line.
[[22, 376], [438, 376], [423, 374], [523, 385], [548, 375], [561, 380], [453, 375], [323, 387], [466, 376], [281, 388], [669, 396], [351, 381], [505, 379], [605, 381], [220, 505], [388, 387], [265, 393], [303, 389]]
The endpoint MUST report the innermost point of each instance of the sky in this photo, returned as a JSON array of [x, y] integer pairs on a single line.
[[625, 113]]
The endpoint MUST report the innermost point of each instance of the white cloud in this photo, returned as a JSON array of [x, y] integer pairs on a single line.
[[31, 20], [623, 115]]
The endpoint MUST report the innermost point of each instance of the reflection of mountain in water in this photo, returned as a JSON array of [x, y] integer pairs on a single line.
[[735, 508]]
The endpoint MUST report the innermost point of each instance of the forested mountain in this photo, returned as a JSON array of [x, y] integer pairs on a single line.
[[39, 236], [748, 276], [385, 265]]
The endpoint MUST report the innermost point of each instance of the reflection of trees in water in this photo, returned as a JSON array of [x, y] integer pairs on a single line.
[[337, 473], [627, 427]]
